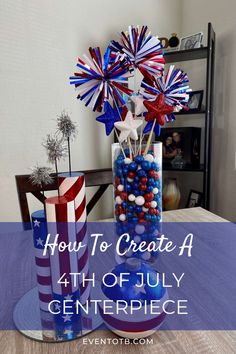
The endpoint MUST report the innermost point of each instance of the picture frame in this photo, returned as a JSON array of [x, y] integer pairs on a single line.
[[195, 101], [193, 41], [195, 199], [184, 142]]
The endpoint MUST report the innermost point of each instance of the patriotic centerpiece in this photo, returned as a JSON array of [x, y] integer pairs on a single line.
[[107, 84], [103, 83]]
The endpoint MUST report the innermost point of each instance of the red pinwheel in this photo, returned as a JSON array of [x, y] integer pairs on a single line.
[[158, 109]]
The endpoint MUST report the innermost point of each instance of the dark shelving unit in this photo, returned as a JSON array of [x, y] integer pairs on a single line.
[[207, 53], [186, 168]]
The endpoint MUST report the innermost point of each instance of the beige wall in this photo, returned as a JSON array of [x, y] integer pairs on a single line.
[[40, 41], [195, 16]]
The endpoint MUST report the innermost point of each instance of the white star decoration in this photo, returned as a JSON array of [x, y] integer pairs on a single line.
[[66, 318], [68, 297], [39, 242], [36, 223], [128, 127], [57, 307], [139, 106], [138, 288]]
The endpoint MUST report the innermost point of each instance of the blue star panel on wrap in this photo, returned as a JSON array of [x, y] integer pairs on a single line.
[[109, 118]]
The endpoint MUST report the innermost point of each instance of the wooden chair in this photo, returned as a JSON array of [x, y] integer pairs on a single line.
[[101, 178]]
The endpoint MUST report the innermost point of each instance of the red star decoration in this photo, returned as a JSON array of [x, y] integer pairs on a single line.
[[158, 109]]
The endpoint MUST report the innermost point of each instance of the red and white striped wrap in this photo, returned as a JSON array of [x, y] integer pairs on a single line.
[[61, 221], [73, 188]]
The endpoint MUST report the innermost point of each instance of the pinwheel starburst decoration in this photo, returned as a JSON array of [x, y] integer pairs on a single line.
[[174, 84], [141, 49], [100, 79]]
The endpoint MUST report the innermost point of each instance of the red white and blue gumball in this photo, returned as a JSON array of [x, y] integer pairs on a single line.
[[136, 324]]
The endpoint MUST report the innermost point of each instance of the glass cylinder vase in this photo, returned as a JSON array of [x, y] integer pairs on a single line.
[[137, 174]]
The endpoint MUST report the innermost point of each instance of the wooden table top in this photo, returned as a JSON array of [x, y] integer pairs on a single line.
[[166, 342]]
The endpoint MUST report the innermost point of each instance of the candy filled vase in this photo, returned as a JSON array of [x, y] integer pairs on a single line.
[[137, 174]]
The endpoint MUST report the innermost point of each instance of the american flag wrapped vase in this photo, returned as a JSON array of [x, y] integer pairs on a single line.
[[61, 224], [72, 186], [43, 273]]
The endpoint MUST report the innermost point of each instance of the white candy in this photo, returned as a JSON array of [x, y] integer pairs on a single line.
[[146, 256], [137, 239], [120, 188], [130, 180], [122, 217], [127, 160], [149, 158], [140, 229], [131, 198], [118, 200], [145, 210], [153, 204], [140, 200], [155, 191]]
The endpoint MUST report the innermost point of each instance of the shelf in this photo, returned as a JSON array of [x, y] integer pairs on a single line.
[[185, 169], [184, 113], [184, 55]]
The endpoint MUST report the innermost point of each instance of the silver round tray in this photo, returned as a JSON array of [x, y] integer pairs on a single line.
[[27, 315]]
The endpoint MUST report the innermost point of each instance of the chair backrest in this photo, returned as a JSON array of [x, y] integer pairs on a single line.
[[101, 178]]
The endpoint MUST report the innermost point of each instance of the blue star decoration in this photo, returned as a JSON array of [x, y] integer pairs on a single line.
[[110, 117], [148, 127]]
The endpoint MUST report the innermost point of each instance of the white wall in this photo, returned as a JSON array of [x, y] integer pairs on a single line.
[[40, 41], [195, 16]]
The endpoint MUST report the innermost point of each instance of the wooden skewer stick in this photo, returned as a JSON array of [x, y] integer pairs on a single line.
[[150, 138], [117, 136]]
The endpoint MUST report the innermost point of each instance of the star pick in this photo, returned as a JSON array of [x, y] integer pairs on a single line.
[[139, 106], [158, 109], [128, 127], [148, 128], [109, 118]]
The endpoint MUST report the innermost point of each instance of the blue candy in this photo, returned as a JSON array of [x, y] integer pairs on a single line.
[[128, 188], [125, 171], [138, 209], [130, 208], [146, 165], [124, 205], [135, 185], [136, 179], [154, 166], [151, 182], [149, 189], [129, 216], [133, 166], [141, 173], [139, 159]]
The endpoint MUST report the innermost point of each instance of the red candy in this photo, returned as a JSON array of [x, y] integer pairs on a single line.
[[131, 174], [117, 181], [123, 195], [152, 211], [142, 220], [117, 193], [152, 173], [143, 187], [141, 215], [147, 205], [143, 180], [149, 197]]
